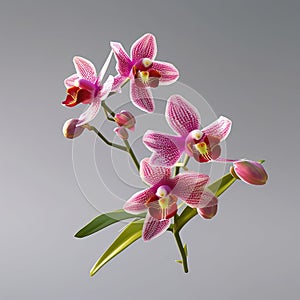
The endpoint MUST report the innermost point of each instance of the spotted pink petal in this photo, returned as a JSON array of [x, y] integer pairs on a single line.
[[169, 74], [153, 228], [167, 148], [153, 174], [124, 63], [85, 69], [181, 116], [144, 47], [136, 204], [205, 199], [220, 128], [141, 97], [93, 109], [70, 81], [118, 82], [189, 187]]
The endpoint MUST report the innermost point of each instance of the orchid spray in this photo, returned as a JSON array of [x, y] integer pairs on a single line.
[[174, 194]]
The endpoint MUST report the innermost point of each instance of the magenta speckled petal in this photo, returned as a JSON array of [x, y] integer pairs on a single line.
[[181, 115], [141, 97], [205, 199], [220, 128], [144, 47], [124, 63], [167, 148], [189, 187], [118, 82], [136, 204], [169, 74], [85, 69], [153, 228], [153, 174]]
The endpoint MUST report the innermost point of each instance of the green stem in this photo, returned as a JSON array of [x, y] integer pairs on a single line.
[[128, 148], [104, 139], [181, 250], [131, 153], [107, 109]]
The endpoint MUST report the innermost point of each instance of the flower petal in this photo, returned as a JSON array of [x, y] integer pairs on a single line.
[[105, 66], [91, 112], [136, 204], [70, 81], [205, 199], [220, 128], [124, 63], [153, 174], [189, 187], [106, 88], [169, 74], [118, 83], [93, 109], [167, 148], [85, 69], [153, 228], [141, 97], [144, 47], [181, 115]]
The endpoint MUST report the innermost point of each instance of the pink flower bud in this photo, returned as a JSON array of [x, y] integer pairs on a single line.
[[121, 132], [208, 212], [70, 131], [249, 171], [125, 119]]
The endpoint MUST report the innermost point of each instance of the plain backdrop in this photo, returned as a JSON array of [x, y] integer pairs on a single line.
[[241, 56]]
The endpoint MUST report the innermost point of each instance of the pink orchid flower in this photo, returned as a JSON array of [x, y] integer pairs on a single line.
[[85, 87], [144, 73], [184, 119], [160, 199]]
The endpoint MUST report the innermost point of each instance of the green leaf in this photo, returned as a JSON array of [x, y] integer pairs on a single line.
[[178, 261], [105, 220], [131, 233]]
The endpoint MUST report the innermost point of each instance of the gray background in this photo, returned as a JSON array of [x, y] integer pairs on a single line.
[[243, 57]]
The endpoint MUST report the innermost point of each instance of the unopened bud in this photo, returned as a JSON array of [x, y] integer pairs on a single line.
[[125, 119], [208, 212], [70, 131], [121, 132], [249, 171]]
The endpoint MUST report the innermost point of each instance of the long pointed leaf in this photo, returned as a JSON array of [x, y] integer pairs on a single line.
[[105, 220], [129, 235]]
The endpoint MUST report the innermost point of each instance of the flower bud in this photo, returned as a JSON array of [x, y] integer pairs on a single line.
[[70, 131], [208, 212], [125, 119], [249, 171], [121, 132]]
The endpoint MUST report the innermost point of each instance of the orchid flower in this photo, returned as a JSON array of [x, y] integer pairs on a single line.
[[184, 119], [85, 87], [160, 199], [142, 70]]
